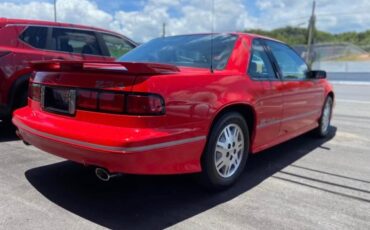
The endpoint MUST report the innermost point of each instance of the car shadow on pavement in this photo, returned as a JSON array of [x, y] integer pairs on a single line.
[[155, 202], [7, 132]]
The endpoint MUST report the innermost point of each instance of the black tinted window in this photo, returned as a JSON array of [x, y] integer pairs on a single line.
[[35, 36], [186, 50], [260, 66], [75, 41], [116, 46], [290, 63]]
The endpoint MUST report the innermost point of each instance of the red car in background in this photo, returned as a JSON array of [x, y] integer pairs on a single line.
[[183, 104], [22, 41]]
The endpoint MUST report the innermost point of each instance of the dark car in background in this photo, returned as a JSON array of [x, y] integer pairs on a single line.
[[22, 41]]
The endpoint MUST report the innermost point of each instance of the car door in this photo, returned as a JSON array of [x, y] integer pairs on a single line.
[[268, 100], [301, 96]]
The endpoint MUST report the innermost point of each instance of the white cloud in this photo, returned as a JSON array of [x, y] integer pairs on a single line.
[[82, 11], [31, 10], [194, 16]]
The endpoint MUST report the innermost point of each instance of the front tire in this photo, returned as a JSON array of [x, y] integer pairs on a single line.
[[226, 152], [324, 121]]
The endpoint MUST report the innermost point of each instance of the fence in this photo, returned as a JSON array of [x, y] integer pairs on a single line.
[[338, 57], [343, 66]]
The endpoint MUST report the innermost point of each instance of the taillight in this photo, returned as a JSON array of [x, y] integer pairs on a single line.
[[112, 102], [120, 103], [145, 104], [87, 100], [34, 91]]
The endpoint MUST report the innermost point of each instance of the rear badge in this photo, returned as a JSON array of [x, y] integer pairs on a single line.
[[109, 85]]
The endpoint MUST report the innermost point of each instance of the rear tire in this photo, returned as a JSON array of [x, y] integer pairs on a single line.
[[22, 100], [226, 152], [324, 121]]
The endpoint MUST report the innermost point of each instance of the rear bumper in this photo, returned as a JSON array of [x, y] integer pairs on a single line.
[[162, 156]]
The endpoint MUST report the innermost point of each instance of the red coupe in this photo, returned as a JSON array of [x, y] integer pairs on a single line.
[[182, 104]]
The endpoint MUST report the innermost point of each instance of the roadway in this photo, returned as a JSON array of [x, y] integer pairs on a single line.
[[306, 183]]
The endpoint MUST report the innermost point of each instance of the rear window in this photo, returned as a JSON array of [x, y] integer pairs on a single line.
[[35, 36], [75, 41], [116, 46], [185, 50]]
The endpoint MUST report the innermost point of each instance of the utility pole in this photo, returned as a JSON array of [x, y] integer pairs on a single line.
[[164, 29], [311, 30], [55, 10]]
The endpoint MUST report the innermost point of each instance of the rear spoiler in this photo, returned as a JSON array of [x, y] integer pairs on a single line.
[[101, 66]]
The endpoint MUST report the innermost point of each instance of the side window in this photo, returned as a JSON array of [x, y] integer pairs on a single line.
[[116, 46], [260, 66], [290, 63], [35, 36], [75, 41]]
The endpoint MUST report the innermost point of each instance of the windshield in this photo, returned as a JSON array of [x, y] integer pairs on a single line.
[[185, 50]]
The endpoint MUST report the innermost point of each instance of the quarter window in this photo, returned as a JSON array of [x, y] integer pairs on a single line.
[[116, 45], [75, 41], [35, 36], [291, 65], [260, 66]]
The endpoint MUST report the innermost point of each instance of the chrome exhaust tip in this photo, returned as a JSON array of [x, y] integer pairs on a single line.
[[19, 135], [104, 175]]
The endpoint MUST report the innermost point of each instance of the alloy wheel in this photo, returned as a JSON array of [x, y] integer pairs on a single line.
[[229, 150]]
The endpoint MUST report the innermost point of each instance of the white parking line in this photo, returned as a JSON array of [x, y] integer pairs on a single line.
[[352, 101]]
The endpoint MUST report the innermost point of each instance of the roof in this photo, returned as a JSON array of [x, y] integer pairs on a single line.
[[257, 36], [8, 21], [242, 34]]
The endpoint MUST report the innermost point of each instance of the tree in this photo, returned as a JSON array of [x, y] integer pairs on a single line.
[[295, 36]]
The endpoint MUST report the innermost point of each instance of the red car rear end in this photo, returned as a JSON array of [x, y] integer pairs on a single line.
[[117, 122]]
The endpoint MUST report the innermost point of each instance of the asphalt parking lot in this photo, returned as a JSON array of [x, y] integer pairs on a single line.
[[306, 183]]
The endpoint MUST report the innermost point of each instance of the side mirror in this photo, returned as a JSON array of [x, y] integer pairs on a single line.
[[316, 74]]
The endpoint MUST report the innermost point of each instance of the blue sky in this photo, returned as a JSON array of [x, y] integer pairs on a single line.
[[128, 5], [142, 19], [135, 5]]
